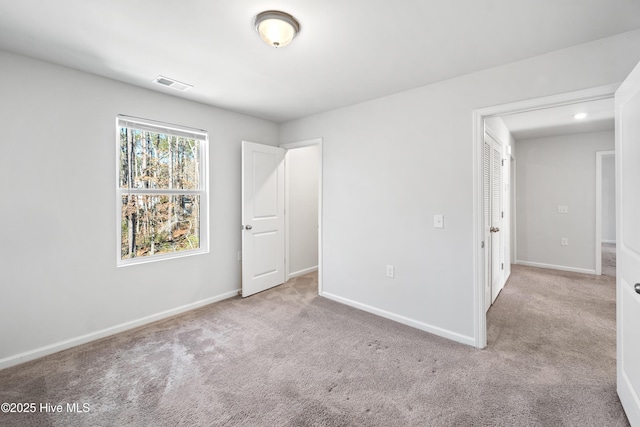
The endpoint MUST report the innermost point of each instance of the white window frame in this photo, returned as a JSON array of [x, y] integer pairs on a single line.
[[165, 128]]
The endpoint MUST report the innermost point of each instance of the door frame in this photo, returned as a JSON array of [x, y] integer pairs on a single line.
[[287, 147], [479, 116], [513, 220], [599, 156]]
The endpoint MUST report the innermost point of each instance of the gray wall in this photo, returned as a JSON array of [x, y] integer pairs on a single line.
[[390, 164], [302, 176], [59, 279], [555, 171]]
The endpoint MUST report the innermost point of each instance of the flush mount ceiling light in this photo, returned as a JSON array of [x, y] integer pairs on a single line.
[[580, 116], [276, 28]]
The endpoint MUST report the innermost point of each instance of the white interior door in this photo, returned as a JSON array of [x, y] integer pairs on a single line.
[[263, 239], [628, 244], [492, 152]]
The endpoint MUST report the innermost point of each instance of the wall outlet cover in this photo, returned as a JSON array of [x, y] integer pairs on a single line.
[[390, 271]]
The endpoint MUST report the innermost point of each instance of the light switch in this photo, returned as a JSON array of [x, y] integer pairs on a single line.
[[438, 221], [563, 209]]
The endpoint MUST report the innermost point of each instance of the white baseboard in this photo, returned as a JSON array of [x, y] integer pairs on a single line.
[[72, 342], [608, 241], [556, 267], [454, 336], [303, 272]]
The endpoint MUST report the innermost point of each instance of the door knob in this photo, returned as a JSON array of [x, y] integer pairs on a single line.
[[637, 288], [248, 227], [494, 229]]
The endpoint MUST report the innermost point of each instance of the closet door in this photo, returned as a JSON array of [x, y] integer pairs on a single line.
[[492, 183]]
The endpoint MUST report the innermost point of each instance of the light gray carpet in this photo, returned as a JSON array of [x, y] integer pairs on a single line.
[[287, 357]]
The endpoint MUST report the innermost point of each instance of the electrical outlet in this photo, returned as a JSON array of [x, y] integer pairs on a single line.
[[563, 209], [438, 221], [390, 271], [564, 241]]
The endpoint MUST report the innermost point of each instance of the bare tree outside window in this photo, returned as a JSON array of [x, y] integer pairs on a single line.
[[160, 190]]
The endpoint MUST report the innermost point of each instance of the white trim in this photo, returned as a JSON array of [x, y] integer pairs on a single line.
[[17, 359], [609, 241], [445, 333], [598, 240], [291, 146], [478, 116], [479, 244], [568, 98], [300, 144], [161, 127], [598, 237], [320, 217], [287, 209], [556, 267], [513, 211], [303, 272]]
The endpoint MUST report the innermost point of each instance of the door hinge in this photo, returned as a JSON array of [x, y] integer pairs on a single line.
[[502, 266], [482, 244], [502, 214], [502, 162]]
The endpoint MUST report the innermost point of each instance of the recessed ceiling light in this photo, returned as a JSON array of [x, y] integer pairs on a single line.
[[173, 84], [580, 116], [276, 28]]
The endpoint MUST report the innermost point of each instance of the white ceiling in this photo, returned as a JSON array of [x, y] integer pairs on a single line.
[[347, 51], [560, 121]]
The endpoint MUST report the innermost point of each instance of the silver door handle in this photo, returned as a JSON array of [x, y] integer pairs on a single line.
[[494, 229], [248, 227], [637, 288]]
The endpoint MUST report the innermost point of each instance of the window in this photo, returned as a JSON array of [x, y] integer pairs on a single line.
[[161, 191]]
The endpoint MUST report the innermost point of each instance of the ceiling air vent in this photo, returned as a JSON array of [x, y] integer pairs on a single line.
[[173, 84]]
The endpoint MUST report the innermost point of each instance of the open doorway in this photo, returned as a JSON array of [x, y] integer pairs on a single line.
[[281, 213], [561, 150], [303, 183], [504, 111], [605, 213], [560, 193]]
